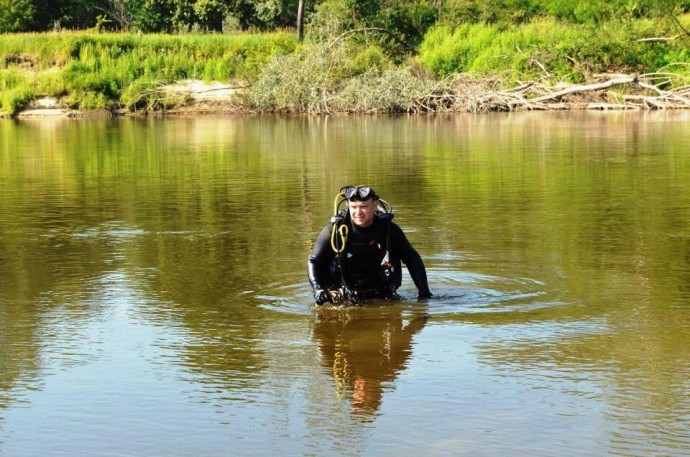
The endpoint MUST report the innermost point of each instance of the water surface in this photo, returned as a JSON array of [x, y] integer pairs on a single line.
[[153, 295]]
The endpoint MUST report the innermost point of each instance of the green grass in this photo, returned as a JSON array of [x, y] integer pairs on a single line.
[[15, 90], [547, 48], [94, 69]]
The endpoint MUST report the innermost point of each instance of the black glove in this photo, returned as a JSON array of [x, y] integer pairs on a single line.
[[321, 296], [424, 294]]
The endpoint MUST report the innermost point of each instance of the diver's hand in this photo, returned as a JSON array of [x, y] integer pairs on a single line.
[[321, 296], [424, 294]]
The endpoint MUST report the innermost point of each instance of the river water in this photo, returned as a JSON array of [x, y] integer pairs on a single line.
[[154, 301]]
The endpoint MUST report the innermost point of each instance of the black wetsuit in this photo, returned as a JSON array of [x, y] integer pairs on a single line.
[[360, 262]]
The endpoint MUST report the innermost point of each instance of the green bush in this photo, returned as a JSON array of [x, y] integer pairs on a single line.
[[16, 98], [87, 100], [149, 96], [308, 80], [392, 91], [15, 90]]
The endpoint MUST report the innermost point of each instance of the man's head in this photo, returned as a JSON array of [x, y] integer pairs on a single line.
[[362, 203]]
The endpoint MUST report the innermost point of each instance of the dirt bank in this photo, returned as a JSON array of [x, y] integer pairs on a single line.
[[193, 96]]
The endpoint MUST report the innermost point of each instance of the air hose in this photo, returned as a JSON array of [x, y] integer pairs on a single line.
[[338, 228]]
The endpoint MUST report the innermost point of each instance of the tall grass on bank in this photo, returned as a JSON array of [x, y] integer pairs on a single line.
[[92, 70], [15, 89], [338, 74], [553, 50], [322, 78]]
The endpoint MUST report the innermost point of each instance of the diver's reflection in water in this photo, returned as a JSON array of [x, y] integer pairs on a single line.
[[365, 348]]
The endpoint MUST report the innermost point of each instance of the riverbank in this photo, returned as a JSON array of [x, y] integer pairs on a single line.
[[194, 96], [567, 67], [609, 92]]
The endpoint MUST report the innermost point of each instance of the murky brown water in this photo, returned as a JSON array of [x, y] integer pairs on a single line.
[[153, 296]]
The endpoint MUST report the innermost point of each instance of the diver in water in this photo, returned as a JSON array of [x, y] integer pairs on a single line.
[[358, 254]]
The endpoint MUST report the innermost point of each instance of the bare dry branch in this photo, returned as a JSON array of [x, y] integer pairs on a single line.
[[653, 39], [587, 88], [464, 93]]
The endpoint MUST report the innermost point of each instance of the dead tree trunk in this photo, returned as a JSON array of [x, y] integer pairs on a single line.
[[300, 20]]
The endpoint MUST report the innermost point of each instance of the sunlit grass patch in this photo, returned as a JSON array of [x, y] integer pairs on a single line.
[[550, 49], [94, 69]]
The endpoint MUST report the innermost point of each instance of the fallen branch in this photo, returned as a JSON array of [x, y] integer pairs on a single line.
[[653, 39], [587, 88], [471, 95]]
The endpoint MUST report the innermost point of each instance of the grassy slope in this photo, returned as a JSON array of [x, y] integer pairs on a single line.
[[92, 71], [558, 51]]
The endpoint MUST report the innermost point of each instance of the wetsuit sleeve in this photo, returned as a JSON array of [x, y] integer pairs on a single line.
[[320, 260], [412, 260]]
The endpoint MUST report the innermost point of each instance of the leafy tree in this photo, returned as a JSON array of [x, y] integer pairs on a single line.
[[65, 14], [409, 19], [266, 14], [454, 12], [152, 16], [46, 14], [398, 24], [210, 14], [120, 11], [15, 15]]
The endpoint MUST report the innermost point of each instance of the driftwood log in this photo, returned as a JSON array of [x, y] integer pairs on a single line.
[[648, 91]]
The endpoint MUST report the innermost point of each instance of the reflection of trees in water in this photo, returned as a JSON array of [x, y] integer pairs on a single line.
[[199, 284], [627, 358], [365, 349], [19, 357], [46, 276], [211, 218]]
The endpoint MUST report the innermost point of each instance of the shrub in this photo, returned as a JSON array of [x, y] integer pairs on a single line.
[[15, 90], [308, 80], [340, 78], [16, 98], [392, 91], [87, 100]]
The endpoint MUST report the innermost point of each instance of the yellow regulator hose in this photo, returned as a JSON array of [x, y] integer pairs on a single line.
[[338, 229]]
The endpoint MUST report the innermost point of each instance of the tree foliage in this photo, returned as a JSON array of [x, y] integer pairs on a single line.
[[455, 12], [15, 15], [408, 19], [353, 47], [148, 15]]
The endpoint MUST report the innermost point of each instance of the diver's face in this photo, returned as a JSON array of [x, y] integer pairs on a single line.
[[363, 213]]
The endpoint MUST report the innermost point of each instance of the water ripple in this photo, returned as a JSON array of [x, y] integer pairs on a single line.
[[456, 293]]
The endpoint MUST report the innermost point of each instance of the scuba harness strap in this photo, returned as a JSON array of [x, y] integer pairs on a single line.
[[387, 265], [339, 233]]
